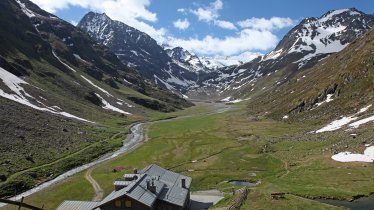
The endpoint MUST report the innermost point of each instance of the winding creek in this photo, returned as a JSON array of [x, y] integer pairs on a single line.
[[133, 139], [137, 136]]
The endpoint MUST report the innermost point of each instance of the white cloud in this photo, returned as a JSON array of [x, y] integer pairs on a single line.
[[181, 10], [255, 34], [205, 15], [209, 13], [245, 40], [267, 24], [131, 12], [181, 24], [225, 24]]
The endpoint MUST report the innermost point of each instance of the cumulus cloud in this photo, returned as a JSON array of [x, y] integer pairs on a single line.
[[225, 24], [255, 34], [267, 24], [208, 13], [131, 12], [181, 24], [245, 40]]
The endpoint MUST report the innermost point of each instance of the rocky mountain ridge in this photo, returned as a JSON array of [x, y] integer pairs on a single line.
[[177, 69], [312, 40]]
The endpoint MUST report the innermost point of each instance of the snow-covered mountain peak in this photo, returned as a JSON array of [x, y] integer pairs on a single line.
[[332, 14], [187, 60], [180, 54], [327, 34], [178, 69], [303, 46]]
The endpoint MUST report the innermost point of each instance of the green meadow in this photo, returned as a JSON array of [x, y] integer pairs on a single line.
[[214, 148]]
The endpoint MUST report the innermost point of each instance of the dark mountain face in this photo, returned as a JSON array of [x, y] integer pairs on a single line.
[[44, 38], [138, 50], [60, 91], [304, 46]]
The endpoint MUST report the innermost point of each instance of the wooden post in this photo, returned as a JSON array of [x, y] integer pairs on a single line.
[[20, 204]]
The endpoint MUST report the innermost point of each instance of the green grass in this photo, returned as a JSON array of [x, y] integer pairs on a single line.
[[73, 188], [233, 146]]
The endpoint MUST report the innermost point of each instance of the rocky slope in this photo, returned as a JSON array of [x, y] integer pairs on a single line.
[[58, 91], [186, 59], [138, 50], [312, 40], [85, 67], [338, 89]]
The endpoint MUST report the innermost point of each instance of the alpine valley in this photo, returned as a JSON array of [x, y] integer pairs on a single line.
[[296, 122]]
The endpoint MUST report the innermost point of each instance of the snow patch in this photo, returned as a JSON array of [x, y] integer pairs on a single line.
[[167, 85], [126, 81], [134, 52], [121, 102], [272, 55], [337, 124], [332, 14], [54, 54], [21, 96], [320, 42], [25, 10], [101, 89], [368, 156], [362, 121], [108, 106], [236, 101], [328, 99], [228, 100]]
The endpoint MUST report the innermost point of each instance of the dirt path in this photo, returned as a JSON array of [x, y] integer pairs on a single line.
[[132, 141], [99, 192]]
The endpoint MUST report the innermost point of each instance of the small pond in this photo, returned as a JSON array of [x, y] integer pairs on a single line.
[[244, 183], [363, 203]]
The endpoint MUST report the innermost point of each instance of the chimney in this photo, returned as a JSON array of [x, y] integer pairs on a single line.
[[183, 182], [151, 186], [135, 171]]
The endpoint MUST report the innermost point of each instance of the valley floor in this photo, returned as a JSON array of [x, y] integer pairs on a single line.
[[214, 144]]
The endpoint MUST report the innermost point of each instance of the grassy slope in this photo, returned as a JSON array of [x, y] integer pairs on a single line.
[[31, 139], [232, 146], [350, 70]]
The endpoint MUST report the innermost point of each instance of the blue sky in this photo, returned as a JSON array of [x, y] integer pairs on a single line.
[[207, 27]]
